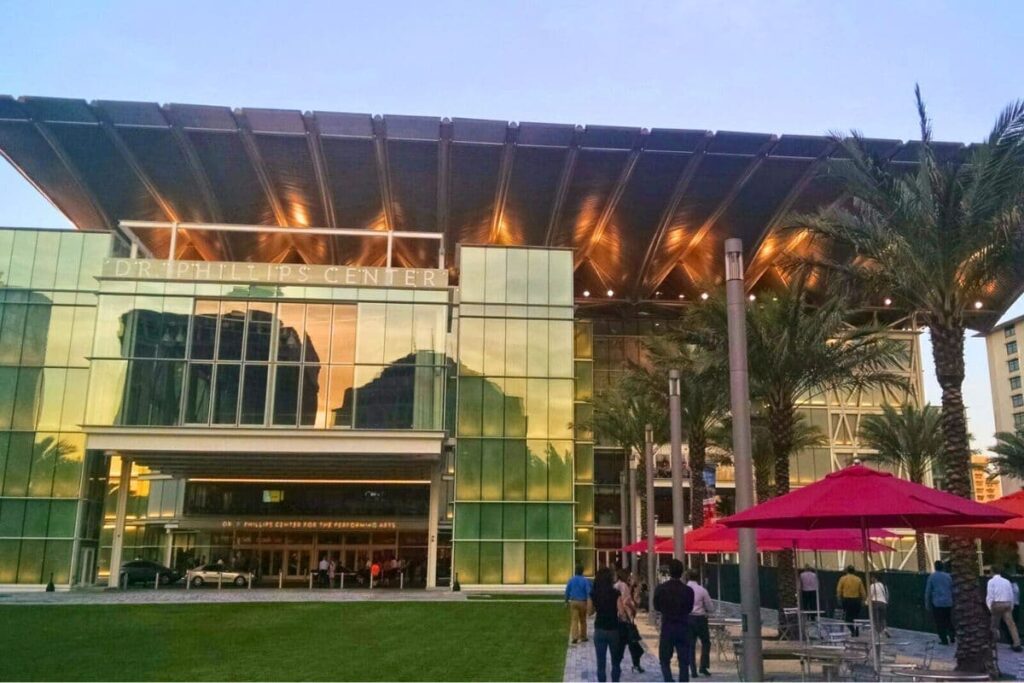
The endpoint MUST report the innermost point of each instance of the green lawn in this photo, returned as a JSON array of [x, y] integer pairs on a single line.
[[397, 641]]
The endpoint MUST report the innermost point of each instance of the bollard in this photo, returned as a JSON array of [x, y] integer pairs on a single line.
[[311, 581], [371, 580], [250, 580], [188, 580], [342, 584], [156, 582], [280, 578], [220, 579], [123, 580], [401, 581]]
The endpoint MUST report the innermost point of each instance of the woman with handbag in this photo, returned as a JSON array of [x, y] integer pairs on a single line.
[[627, 621]]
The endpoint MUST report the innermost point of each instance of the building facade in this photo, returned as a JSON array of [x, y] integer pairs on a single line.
[[1004, 360]]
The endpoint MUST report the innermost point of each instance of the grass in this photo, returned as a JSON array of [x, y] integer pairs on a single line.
[[392, 641]]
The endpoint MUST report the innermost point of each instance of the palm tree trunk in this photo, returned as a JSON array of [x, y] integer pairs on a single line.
[[780, 421], [973, 637], [698, 446], [922, 555], [762, 483]]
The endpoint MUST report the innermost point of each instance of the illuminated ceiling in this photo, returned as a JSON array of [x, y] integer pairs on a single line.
[[646, 210]]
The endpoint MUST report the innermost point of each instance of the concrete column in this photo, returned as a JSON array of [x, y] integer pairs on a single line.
[[168, 546], [633, 510], [624, 536], [117, 546], [433, 513]]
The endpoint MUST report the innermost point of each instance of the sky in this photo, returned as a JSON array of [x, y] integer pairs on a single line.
[[780, 67]]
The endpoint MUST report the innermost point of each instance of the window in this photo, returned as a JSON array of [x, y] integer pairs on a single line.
[[1010, 331], [1013, 365], [1018, 421], [1011, 348], [1017, 400], [1015, 382]]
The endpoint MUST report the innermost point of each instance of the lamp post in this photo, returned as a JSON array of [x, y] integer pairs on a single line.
[[624, 517], [739, 394], [676, 435], [631, 517], [652, 557]]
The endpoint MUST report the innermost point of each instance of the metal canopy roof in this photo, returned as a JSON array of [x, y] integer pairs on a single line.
[[646, 210]]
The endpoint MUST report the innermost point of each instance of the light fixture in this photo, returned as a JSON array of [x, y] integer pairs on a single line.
[[888, 301], [752, 297], [704, 296], [657, 294], [682, 296], [586, 293], [610, 292], [978, 305]]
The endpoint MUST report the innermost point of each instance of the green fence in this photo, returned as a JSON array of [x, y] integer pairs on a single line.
[[906, 593]]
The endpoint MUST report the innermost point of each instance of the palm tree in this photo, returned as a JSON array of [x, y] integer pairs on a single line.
[[1009, 458], [908, 439], [704, 402], [937, 241], [798, 348]]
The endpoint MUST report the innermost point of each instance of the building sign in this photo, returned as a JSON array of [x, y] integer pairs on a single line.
[[274, 273], [306, 525]]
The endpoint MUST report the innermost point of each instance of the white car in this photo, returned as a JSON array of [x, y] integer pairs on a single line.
[[209, 573]]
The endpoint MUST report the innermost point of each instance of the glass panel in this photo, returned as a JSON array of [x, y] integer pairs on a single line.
[[9, 550], [560, 348], [341, 399], [560, 273], [290, 331], [537, 348], [254, 395], [467, 520], [494, 286], [515, 407], [58, 337], [95, 249], [584, 462], [560, 470], [537, 522], [471, 345], [490, 521], [493, 407], [30, 564], [69, 260], [82, 335], [286, 394], [204, 328], [515, 470], [515, 347], [57, 564], [318, 332], [584, 344], [514, 568], [560, 409], [12, 333], [429, 329], [22, 256], [559, 562], [491, 469], [584, 380], [62, 519], [8, 387], [69, 452], [471, 274], [537, 408], [370, 333], [560, 521], [314, 395], [470, 406], [494, 346], [260, 321], [584, 504], [344, 333], [514, 524], [490, 563], [225, 407], [516, 269], [537, 276], [37, 514], [52, 398], [106, 386], [536, 563], [537, 470], [232, 329], [468, 470], [37, 324], [398, 334], [174, 332], [197, 403], [27, 398], [467, 561]]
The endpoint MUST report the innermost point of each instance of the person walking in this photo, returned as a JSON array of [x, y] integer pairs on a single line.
[[577, 592], [878, 594], [606, 605], [674, 599], [702, 607], [627, 624], [809, 591], [321, 573], [938, 597], [999, 599], [332, 570], [850, 593]]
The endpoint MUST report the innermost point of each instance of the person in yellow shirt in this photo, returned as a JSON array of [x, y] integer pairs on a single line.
[[851, 594]]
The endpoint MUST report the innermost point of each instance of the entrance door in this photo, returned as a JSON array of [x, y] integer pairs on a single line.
[[607, 558], [298, 562], [271, 561]]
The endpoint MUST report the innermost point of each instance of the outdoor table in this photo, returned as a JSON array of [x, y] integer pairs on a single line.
[[937, 675]]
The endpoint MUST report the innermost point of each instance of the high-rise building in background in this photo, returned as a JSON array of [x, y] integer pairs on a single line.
[[1003, 344]]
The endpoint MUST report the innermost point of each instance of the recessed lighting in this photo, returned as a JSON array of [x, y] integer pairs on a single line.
[[704, 296], [752, 297], [586, 293], [888, 301], [978, 305], [610, 293], [657, 294], [682, 296]]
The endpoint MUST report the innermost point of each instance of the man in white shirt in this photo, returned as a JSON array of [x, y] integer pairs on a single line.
[[808, 590], [702, 607], [999, 598]]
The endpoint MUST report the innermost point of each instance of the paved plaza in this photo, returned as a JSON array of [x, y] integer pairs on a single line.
[[178, 595]]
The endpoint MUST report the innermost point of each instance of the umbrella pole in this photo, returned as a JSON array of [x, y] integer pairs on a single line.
[[817, 585], [799, 609], [875, 644]]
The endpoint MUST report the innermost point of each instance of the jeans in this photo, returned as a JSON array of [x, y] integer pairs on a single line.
[[636, 650], [675, 638], [608, 642], [851, 610], [699, 631], [809, 602], [944, 624], [881, 622]]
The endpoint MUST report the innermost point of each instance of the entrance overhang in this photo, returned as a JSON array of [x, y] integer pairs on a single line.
[[274, 453]]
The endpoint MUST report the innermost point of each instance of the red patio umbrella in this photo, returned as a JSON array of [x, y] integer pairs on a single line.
[[718, 538], [1010, 530], [641, 545], [859, 497]]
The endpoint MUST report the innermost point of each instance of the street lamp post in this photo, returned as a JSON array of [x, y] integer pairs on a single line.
[[739, 393], [652, 556], [631, 517], [624, 518], [676, 435]]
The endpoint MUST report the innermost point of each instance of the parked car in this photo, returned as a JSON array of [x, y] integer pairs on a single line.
[[209, 573], [145, 571]]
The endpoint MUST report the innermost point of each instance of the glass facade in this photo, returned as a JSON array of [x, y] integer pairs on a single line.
[[515, 456], [47, 315]]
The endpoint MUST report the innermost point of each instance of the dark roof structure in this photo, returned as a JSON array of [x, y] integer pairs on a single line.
[[646, 210]]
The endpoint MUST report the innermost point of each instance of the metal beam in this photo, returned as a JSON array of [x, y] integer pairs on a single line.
[[563, 185], [665, 222], [723, 206], [273, 229], [316, 153], [613, 199], [380, 148], [508, 155], [444, 182]]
